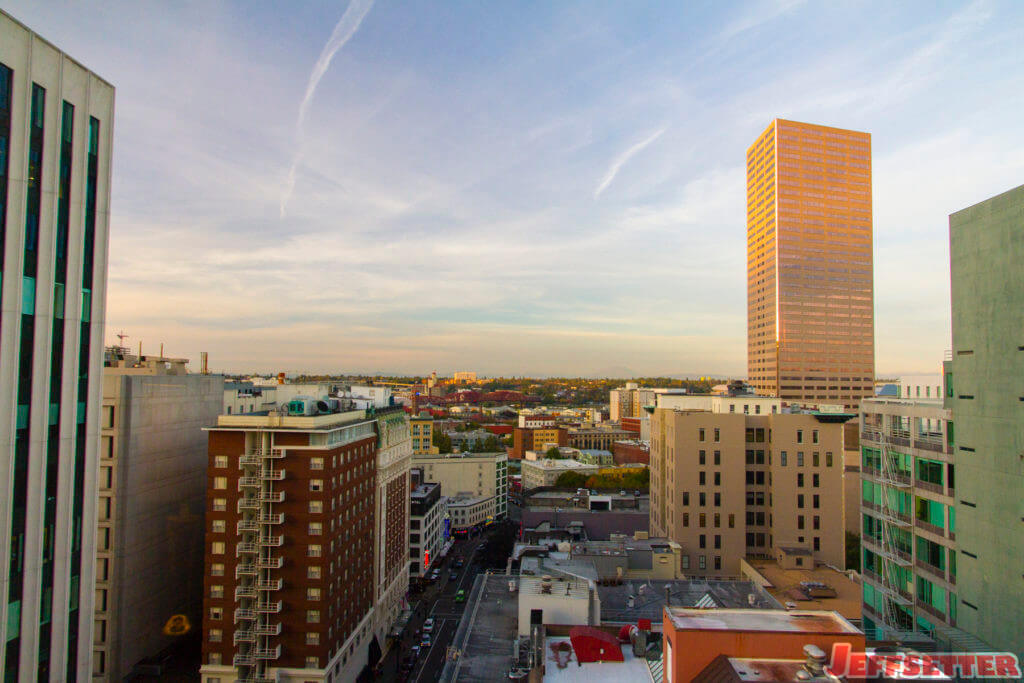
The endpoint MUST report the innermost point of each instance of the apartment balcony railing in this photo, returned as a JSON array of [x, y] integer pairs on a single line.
[[870, 435], [249, 460], [249, 483], [895, 518], [929, 486], [929, 445], [268, 629], [931, 528], [931, 569], [277, 518], [268, 653], [270, 562], [272, 585], [900, 438], [244, 636], [247, 526], [931, 610], [245, 592], [244, 615], [896, 479], [952, 578], [269, 607], [899, 557], [897, 595], [246, 549], [275, 541], [244, 660], [272, 496], [274, 453], [272, 475], [247, 569], [250, 503]]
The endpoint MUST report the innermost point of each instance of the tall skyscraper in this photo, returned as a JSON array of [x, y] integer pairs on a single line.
[[810, 281], [986, 393], [56, 120]]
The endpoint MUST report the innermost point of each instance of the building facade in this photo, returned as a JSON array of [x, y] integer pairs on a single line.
[[986, 245], [810, 278], [598, 436], [56, 124], [422, 426], [472, 475], [908, 517], [728, 485], [152, 494], [290, 578], [427, 530], [546, 471], [534, 438]]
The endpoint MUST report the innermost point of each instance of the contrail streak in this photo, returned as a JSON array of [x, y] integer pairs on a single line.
[[343, 31], [621, 160]]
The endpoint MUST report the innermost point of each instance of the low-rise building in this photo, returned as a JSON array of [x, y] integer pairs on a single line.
[[537, 438], [601, 436], [545, 471], [470, 475], [467, 512], [596, 456], [422, 428], [631, 452]]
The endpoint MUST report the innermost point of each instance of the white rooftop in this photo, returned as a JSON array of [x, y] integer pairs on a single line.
[[630, 669]]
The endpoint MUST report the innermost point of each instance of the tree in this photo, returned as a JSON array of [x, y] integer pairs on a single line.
[[442, 441], [852, 550], [554, 454], [570, 480]]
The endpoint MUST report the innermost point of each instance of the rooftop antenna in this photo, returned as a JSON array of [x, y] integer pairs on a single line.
[[121, 336]]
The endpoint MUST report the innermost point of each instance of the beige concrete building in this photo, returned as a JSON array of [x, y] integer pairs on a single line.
[[545, 471], [470, 475], [728, 485], [152, 491]]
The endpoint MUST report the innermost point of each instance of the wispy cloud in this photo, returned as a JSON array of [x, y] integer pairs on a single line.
[[757, 14], [343, 32], [621, 160]]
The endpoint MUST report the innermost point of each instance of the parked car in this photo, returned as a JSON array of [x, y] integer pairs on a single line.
[[425, 643], [428, 625], [459, 562], [460, 596]]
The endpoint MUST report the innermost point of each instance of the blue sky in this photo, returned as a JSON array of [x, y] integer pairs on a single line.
[[521, 187]]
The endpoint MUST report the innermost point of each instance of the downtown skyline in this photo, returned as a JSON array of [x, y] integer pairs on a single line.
[[512, 190]]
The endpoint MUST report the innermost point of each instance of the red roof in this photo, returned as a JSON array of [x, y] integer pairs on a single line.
[[594, 645]]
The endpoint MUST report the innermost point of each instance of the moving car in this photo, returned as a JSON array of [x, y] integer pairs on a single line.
[[428, 625], [460, 596], [426, 640]]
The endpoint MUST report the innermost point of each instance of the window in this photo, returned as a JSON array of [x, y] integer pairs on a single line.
[[686, 497], [686, 561], [782, 458], [703, 520], [313, 571], [216, 635], [757, 409], [718, 542], [312, 593], [220, 461], [800, 500], [816, 501], [702, 478], [316, 484], [815, 459], [828, 458], [312, 616], [799, 458], [216, 569], [702, 457], [718, 499], [217, 547], [718, 562], [316, 506], [702, 498], [686, 519], [718, 457], [313, 550], [216, 613], [315, 528], [220, 482], [219, 526], [814, 436], [800, 479], [700, 434], [817, 543], [312, 638], [702, 562], [106, 477], [316, 463], [220, 504], [703, 541], [216, 591], [815, 480], [717, 434], [108, 417], [799, 436], [214, 658], [732, 521], [799, 521], [816, 522], [312, 663], [718, 520]]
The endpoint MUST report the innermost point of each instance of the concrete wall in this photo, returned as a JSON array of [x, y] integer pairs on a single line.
[[986, 256]]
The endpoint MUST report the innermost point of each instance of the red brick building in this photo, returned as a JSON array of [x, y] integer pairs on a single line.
[[532, 438], [291, 527], [627, 452]]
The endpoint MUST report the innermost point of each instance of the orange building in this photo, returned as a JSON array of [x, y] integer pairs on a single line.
[[810, 273], [693, 638]]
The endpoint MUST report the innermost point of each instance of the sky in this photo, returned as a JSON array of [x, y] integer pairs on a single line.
[[517, 188]]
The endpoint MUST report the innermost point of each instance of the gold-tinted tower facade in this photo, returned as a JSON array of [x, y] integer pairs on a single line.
[[810, 272]]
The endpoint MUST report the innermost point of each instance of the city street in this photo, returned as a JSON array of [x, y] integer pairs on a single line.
[[437, 601]]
